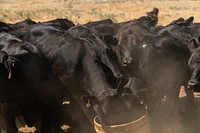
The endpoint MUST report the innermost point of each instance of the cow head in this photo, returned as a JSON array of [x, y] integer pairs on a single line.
[[135, 90], [194, 63], [127, 50], [114, 107]]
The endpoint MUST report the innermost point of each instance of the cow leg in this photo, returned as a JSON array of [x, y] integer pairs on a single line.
[[46, 122], [169, 110], [3, 128], [56, 119], [56, 125], [10, 112], [161, 107], [63, 120], [189, 113], [163, 115], [51, 121], [154, 103]]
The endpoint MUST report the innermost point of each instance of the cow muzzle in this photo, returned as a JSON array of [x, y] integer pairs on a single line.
[[126, 62]]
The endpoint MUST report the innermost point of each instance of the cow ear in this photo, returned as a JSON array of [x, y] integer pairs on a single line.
[[193, 44], [189, 21], [110, 40], [89, 100]]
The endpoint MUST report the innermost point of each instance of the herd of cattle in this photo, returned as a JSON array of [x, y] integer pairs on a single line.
[[57, 74]]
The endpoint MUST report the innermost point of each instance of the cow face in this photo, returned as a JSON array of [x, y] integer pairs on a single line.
[[115, 108], [194, 64], [127, 50], [135, 89]]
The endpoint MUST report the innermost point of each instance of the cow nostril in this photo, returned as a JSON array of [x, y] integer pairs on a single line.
[[124, 62]]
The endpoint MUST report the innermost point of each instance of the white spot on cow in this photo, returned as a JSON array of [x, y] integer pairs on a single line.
[[88, 104], [144, 45], [10, 74], [66, 102], [65, 127]]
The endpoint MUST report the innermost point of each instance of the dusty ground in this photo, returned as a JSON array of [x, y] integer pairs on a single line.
[[82, 11]]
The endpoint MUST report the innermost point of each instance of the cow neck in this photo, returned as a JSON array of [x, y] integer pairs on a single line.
[[106, 59], [95, 78], [98, 44]]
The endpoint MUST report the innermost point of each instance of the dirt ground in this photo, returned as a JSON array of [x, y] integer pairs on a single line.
[[82, 11]]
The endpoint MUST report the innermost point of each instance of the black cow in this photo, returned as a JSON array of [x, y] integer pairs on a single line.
[[194, 83], [183, 31], [164, 68], [77, 61], [128, 38], [26, 83], [128, 51], [161, 62], [168, 46]]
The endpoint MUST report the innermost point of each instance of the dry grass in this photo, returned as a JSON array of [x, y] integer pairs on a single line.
[[82, 11]]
